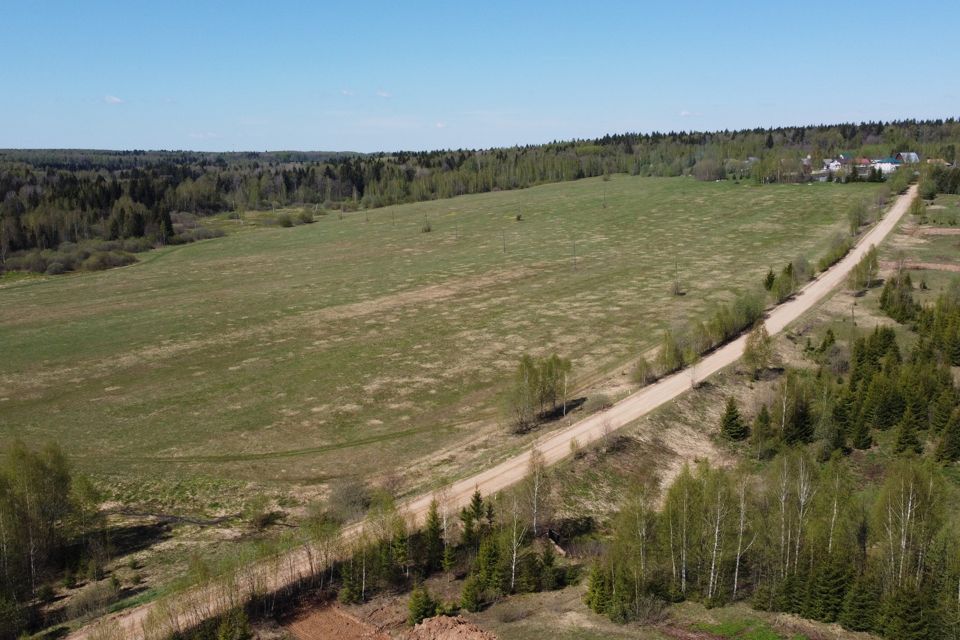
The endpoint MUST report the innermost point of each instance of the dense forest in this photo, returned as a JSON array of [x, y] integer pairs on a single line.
[[105, 205]]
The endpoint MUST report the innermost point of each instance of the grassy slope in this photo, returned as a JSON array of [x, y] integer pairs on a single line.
[[351, 346]]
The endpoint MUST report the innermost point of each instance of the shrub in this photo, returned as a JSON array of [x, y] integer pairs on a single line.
[[45, 593], [597, 402], [284, 220], [234, 626], [349, 499], [55, 269], [839, 247], [93, 599], [12, 619], [306, 217], [69, 579], [100, 260], [642, 372], [195, 235]]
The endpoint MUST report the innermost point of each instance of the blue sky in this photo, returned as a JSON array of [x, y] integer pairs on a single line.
[[370, 76]]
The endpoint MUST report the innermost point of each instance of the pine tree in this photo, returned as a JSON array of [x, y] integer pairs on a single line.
[[799, 425], [421, 606], [860, 436], [769, 279], [471, 517], [907, 439], [829, 590], [449, 557], [598, 592], [861, 605], [941, 411], [471, 594], [906, 616], [948, 449], [731, 424], [433, 538], [762, 433]]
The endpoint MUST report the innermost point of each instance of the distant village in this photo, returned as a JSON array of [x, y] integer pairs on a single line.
[[848, 164]]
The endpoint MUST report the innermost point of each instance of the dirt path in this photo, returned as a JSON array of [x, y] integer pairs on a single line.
[[192, 606]]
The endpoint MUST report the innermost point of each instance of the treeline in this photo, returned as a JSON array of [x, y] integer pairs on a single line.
[[799, 538], [493, 543], [48, 524], [809, 534], [51, 197]]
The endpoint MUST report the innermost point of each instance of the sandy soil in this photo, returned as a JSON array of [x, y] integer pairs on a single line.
[[330, 623], [289, 569], [447, 628]]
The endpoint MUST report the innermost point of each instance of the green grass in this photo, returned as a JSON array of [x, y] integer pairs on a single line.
[[353, 346], [744, 630]]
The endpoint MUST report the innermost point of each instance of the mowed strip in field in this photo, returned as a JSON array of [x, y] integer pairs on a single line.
[[353, 346]]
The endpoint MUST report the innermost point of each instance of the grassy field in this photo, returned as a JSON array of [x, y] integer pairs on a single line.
[[355, 345]]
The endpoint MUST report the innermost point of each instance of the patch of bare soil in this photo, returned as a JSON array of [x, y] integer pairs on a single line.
[[923, 266], [330, 623], [686, 634], [447, 628], [940, 231], [795, 625]]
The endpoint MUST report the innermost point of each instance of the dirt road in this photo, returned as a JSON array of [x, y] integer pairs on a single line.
[[274, 574]]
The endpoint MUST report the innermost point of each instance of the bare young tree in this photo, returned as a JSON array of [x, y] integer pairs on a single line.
[[536, 486], [742, 501], [517, 532]]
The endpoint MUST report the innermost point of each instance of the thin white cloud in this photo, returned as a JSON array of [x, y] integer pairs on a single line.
[[685, 113], [346, 92], [384, 94], [441, 125], [112, 99]]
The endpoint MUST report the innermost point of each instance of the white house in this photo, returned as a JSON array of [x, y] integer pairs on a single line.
[[832, 165], [887, 165]]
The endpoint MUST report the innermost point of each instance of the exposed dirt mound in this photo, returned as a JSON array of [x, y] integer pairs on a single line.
[[328, 623], [447, 628]]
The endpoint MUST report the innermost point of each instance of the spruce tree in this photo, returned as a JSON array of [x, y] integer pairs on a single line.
[[941, 411], [471, 594], [598, 592], [731, 424], [907, 439], [762, 433], [799, 425], [829, 590], [449, 557], [906, 616], [861, 605], [860, 436], [488, 558], [433, 538], [769, 279], [948, 450], [421, 606]]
